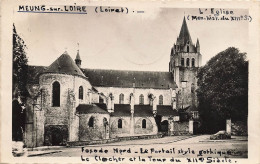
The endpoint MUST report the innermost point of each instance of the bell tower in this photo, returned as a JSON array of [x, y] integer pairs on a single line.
[[185, 60], [78, 60]]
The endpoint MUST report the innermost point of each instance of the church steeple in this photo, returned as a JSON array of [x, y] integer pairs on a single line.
[[184, 36], [78, 60]]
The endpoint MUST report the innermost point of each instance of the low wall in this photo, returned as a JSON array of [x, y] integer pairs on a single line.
[[111, 140]]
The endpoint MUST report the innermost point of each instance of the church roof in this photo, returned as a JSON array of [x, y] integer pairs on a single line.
[[64, 65], [143, 111], [184, 35], [129, 79], [166, 110], [90, 108], [122, 110]]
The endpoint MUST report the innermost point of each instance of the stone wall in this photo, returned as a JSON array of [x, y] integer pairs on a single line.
[[69, 100], [116, 91], [96, 132], [180, 128], [151, 127], [119, 132], [189, 75]]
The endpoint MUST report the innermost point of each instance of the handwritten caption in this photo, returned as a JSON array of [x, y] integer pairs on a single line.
[[157, 155], [214, 14]]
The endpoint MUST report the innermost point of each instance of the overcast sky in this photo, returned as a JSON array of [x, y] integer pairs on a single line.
[[134, 41]]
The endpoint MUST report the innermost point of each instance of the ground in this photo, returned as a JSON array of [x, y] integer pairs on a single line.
[[171, 147]]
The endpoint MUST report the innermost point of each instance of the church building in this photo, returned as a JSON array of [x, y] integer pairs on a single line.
[[68, 103]]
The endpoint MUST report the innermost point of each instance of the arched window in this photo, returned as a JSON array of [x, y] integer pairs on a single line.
[[121, 98], [81, 93], [188, 49], [141, 99], [91, 122], [161, 100], [193, 62], [119, 124], [188, 62], [144, 123], [105, 122], [182, 61], [56, 94]]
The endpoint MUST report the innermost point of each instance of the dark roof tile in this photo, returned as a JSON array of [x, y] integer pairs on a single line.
[[121, 110], [166, 110], [128, 79], [143, 111], [90, 108], [64, 65]]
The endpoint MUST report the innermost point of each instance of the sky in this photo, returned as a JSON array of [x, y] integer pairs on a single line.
[[134, 41]]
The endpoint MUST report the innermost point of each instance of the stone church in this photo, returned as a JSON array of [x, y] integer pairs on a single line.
[[68, 103]]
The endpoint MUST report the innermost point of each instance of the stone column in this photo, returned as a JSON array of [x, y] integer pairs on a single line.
[[228, 126], [171, 124], [191, 126], [132, 103], [154, 106]]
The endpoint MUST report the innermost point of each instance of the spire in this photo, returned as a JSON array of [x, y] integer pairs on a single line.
[[78, 57], [78, 60], [184, 35], [198, 45]]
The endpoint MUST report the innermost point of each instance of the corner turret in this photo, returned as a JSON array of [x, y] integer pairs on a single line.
[[198, 46], [78, 60]]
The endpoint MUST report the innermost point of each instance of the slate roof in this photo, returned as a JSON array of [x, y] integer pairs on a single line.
[[143, 111], [64, 65], [90, 108], [106, 78], [102, 106], [184, 35], [166, 110], [128, 79], [122, 110]]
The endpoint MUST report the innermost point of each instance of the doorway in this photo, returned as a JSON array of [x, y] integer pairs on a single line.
[[55, 135]]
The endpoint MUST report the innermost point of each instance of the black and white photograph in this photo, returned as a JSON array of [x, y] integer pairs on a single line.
[[131, 82]]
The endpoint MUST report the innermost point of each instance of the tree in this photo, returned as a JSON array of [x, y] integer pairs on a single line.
[[223, 90], [20, 69]]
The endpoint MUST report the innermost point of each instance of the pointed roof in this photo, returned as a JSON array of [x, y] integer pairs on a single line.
[[65, 65], [184, 35], [78, 57], [198, 43]]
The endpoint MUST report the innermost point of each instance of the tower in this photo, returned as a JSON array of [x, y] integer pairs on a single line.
[[185, 59], [78, 60]]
